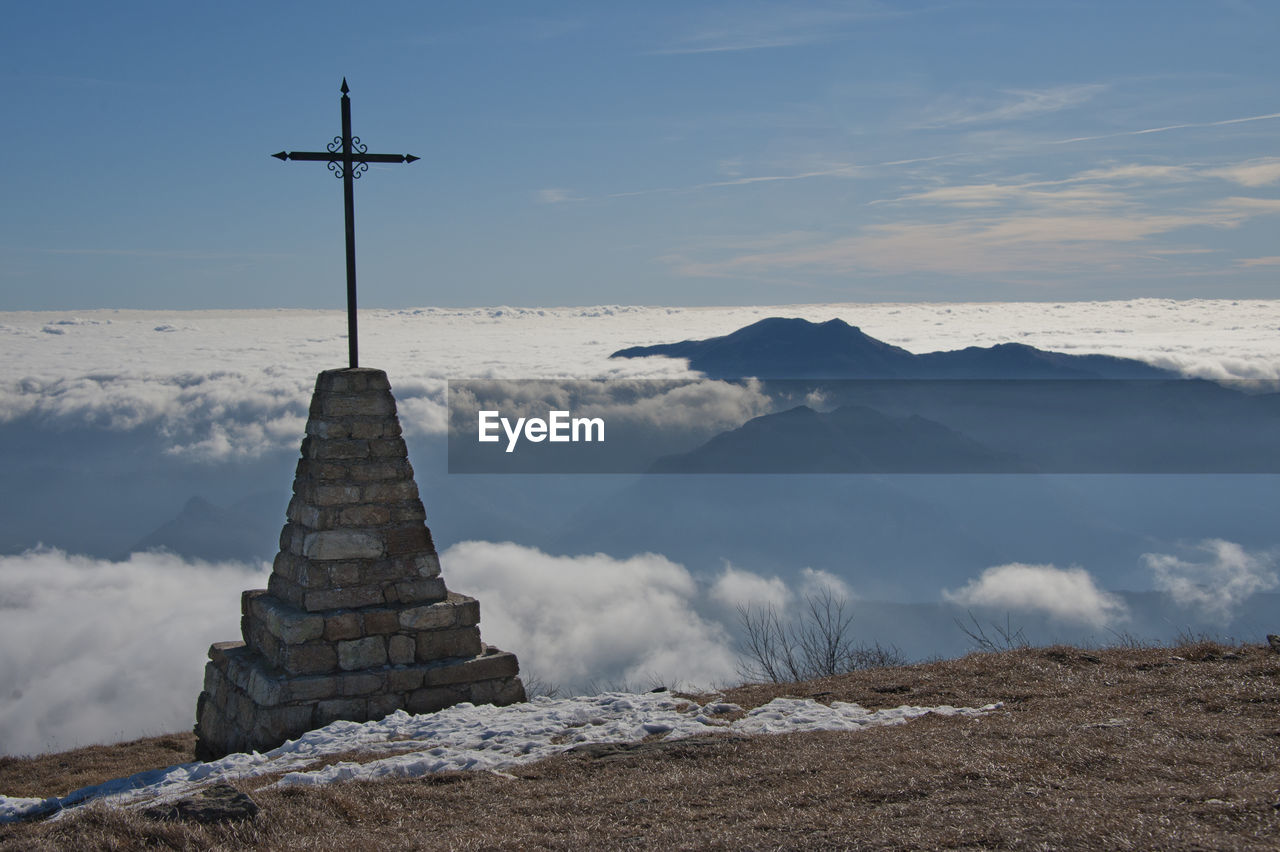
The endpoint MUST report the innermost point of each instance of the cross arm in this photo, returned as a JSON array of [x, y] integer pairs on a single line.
[[337, 156]]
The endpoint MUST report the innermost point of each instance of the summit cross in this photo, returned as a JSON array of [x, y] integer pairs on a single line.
[[348, 159]]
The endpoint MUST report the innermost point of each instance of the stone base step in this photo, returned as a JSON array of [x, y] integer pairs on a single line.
[[249, 705]]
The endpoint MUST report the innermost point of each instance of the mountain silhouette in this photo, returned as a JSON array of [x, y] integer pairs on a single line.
[[790, 348], [1001, 426], [850, 439], [244, 532]]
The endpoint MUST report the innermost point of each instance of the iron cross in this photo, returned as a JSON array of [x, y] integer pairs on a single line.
[[348, 158]]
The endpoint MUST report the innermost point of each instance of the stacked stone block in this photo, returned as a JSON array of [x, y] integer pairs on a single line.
[[355, 622]]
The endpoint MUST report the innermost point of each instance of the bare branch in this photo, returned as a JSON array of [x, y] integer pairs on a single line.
[[816, 643]]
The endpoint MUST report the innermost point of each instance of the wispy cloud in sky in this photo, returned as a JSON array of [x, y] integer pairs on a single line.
[[994, 194], [555, 195], [1273, 260], [740, 27], [1168, 127], [1017, 242], [1135, 171], [1106, 185], [843, 171], [178, 254], [1100, 219], [1254, 173], [1013, 105]]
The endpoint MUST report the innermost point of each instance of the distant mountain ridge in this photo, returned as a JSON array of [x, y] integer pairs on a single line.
[[792, 348], [850, 439], [997, 409], [1000, 426], [245, 532]]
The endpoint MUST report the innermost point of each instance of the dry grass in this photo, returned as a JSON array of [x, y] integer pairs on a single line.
[[1117, 749], [59, 773]]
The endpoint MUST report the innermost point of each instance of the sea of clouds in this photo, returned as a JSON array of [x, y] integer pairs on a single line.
[[96, 650], [227, 384]]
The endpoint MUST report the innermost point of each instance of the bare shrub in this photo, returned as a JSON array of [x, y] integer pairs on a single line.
[[1130, 641], [813, 644], [536, 686], [1001, 638]]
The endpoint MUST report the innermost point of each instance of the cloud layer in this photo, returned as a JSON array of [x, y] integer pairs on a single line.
[[96, 651], [578, 619], [734, 588], [221, 385], [1067, 594], [1218, 584]]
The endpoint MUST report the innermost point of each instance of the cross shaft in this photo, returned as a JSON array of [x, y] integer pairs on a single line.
[[348, 158]]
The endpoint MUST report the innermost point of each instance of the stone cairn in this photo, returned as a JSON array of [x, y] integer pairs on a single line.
[[355, 622]]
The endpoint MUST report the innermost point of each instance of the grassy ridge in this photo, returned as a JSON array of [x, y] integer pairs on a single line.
[[1170, 748]]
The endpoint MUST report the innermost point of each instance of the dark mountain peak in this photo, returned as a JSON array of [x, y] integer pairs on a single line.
[[205, 530], [198, 507], [794, 348], [776, 324], [787, 347], [798, 329]]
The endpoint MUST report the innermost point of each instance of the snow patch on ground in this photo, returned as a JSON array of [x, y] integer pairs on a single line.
[[469, 737]]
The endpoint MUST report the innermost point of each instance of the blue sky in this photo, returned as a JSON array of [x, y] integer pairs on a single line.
[[659, 153]]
